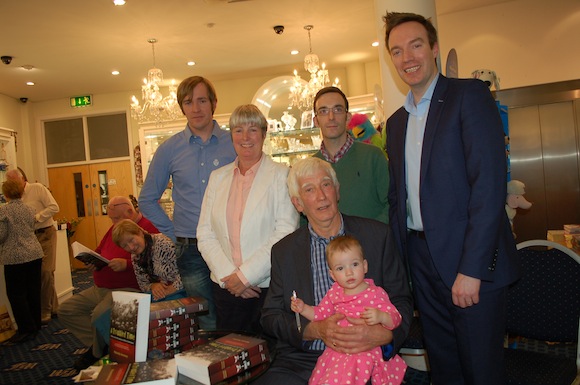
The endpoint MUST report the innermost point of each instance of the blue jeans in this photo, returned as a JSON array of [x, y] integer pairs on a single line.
[[195, 277]]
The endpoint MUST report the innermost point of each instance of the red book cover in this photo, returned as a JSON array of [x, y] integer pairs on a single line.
[[177, 307], [212, 356], [170, 341], [173, 320], [239, 367], [129, 326], [172, 329]]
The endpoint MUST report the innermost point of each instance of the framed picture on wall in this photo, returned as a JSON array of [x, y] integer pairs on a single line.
[[307, 120]]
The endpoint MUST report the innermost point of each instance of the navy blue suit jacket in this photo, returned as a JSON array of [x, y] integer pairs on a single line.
[[462, 184]]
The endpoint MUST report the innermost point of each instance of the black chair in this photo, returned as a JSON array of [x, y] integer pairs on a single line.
[[544, 305]]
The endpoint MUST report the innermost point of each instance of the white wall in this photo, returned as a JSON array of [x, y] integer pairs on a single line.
[[526, 42]]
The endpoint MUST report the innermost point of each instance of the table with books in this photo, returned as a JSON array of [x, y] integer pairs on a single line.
[[160, 343]]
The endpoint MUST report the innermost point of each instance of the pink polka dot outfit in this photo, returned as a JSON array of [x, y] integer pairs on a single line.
[[337, 368]]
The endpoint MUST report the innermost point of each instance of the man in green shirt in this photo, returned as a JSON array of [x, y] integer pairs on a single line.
[[362, 169]]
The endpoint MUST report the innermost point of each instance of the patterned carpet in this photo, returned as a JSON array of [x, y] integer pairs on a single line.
[[49, 358]]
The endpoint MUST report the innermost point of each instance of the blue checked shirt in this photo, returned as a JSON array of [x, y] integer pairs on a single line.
[[320, 275]]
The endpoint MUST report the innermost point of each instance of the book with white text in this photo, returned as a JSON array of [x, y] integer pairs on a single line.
[[129, 326]]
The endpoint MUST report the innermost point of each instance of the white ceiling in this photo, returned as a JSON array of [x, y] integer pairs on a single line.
[[74, 45]]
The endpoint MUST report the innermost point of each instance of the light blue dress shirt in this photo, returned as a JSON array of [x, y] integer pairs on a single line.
[[188, 161], [413, 150]]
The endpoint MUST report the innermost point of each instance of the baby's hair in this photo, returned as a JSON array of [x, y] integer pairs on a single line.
[[342, 244]]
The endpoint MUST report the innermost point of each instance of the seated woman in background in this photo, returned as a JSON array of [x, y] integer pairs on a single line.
[[154, 261], [21, 255], [246, 209]]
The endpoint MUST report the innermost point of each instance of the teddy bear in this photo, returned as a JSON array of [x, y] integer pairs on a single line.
[[363, 130], [488, 77], [515, 199]]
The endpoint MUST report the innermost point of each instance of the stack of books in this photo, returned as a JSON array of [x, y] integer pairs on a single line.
[[227, 359], [173, 326], [141, 330]]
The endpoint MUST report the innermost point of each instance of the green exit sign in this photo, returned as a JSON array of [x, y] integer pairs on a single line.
[[81, 101]]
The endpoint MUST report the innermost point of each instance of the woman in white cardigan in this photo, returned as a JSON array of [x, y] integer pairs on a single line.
[[246, 209]]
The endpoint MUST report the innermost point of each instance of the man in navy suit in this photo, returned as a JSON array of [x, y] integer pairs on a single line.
[[447, 195]]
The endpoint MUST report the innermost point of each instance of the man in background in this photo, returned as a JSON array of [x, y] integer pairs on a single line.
[[37, 196], [80, 312], [362, 169], [188, 158]]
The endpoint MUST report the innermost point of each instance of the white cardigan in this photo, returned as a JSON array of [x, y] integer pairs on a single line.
[[268, 217]]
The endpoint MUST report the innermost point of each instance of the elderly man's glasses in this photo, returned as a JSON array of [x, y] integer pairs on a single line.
[[336, 110]]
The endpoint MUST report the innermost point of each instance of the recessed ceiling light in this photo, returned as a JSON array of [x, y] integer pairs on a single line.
[[115, 73], [29, 83], [375, 44], [190, 63], [294, 52], [119, 2]]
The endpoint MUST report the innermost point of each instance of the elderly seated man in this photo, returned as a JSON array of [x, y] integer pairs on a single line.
[[298, 263], [80, 312]]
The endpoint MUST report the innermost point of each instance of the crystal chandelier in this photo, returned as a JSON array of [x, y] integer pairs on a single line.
[[155, 108], [302, 93]]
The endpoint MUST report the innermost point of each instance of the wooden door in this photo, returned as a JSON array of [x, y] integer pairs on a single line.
[[84, 191]]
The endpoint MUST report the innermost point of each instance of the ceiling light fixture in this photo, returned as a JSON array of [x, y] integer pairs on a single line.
[[119, 2], [156, 108], [303, 93]]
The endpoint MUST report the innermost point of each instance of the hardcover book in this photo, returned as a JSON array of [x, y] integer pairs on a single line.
[[88, 256], [154, 372], [239, 367], [182, 330], [170, 341], [129, 326], [214, 356], [177, 307], [182, 320]]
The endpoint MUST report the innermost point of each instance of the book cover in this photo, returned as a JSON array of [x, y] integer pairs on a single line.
[[241, 378], [170, 341], [182, 320], [86, 255], [129, 326], [213, 356], [242, 365], [182, 329], [177, 307], [154, 372]]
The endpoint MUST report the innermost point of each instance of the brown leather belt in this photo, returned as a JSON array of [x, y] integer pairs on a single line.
[[186, 241]]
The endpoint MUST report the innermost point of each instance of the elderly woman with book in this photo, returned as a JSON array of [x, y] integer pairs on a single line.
[[154, 261]]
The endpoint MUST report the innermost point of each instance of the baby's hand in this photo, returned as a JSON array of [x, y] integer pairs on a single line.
[[372, 316], [296, 304]]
